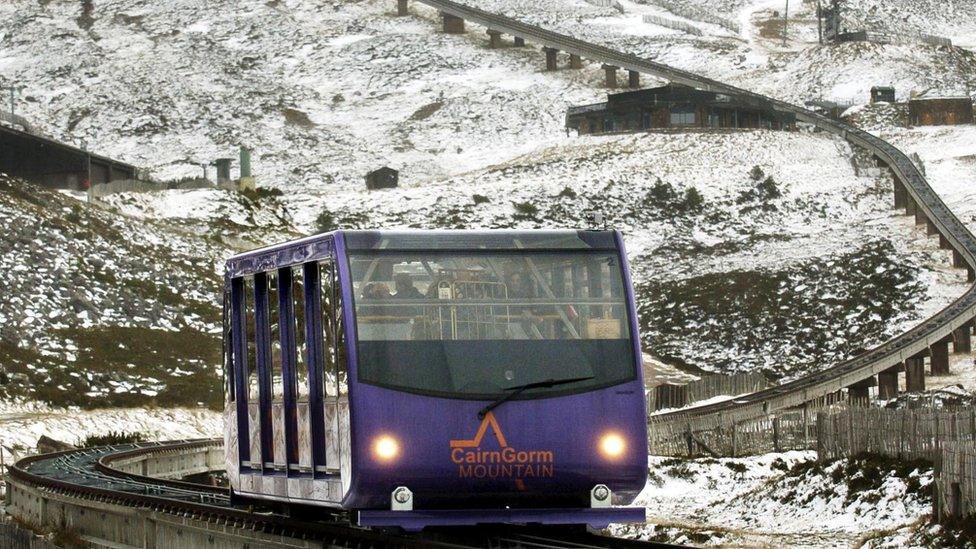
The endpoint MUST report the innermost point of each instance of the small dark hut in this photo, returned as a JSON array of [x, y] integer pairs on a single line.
[[882, 94], [383, 178]]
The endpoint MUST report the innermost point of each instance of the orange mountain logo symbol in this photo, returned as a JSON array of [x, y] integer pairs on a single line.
[[473, 461]]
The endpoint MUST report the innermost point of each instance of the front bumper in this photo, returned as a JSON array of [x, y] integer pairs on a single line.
[[417, 520]]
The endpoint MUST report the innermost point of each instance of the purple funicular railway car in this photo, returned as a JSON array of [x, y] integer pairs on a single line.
[[437, 378]]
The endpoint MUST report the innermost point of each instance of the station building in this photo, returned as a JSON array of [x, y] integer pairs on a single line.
[[940, 111], [676, 107]]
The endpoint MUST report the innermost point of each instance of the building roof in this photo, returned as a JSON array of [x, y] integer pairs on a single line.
[[18, 134]]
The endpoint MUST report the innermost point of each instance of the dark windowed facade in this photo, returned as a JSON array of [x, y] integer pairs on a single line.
[[675, 106]]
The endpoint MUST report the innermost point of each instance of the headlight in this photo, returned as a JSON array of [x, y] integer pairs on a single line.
[[386, 448], [612, 445]]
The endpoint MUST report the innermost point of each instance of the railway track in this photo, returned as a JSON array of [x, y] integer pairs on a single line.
[[91, 480], [908, 179]]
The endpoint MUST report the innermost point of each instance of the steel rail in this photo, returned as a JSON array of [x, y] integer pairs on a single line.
[[818, 384], [88, 474]]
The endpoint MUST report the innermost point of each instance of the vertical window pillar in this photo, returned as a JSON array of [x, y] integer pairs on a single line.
[[316, 361], [262, 334], [239, 353]]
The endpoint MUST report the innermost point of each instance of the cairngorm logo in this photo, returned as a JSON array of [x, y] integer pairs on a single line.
[[506, 462]]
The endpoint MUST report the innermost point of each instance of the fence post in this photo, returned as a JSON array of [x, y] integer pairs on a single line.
[[776, 433], [734, 447]]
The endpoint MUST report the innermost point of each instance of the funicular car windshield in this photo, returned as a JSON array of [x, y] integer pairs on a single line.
[[475, 322]]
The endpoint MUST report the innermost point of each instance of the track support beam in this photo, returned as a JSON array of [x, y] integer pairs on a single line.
[[519, 42], [962, 340], [575, 61], [633, 79], [494, 39], [611, 72], [551, 54], [940, 358], [901, 195], [452, 23], [859, 394], [915, 374], [888, 382]]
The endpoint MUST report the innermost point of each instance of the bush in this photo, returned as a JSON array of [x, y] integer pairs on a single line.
[[768, 189], [693, 201], [756, 173], [525, 209], [326, 222], [112, 438]]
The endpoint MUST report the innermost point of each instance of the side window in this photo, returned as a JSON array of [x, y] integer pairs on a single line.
[[274, 323], [250, 323], [301, 345], [228, 345], [340, 337], [328, 329]]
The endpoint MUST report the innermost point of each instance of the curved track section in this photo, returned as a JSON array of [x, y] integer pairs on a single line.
[[142, 510], [906, 175]]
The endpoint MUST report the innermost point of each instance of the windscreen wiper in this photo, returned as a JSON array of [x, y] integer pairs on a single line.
[[519, 389]]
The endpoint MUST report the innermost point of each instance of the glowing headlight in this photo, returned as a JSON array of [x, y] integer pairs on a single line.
[[612, 445], [386, 448]]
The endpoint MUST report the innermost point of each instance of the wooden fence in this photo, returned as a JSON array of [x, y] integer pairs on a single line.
[[15, 537], [793, 430], [672, 23], [904, 434], [954, 496], [664, 397]]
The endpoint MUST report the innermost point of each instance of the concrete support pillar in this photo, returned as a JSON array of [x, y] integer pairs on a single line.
[[859, 393], [901, 195], [915, 374], [575, 61], [930, 228], [401, 8], [888, 382], [957, 260], [940, 358], [551, 58], [519, 42], [494, 39], [452, 24], [633, 79], [962, 340], [611, 71], [910, 206], [920, 217], [944, 243]]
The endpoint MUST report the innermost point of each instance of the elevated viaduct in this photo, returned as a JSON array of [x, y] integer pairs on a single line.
[[905, 354]]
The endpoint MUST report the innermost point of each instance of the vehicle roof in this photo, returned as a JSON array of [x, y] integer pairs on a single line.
[[494, 239]]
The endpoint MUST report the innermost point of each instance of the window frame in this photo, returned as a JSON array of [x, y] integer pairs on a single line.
[[628, 320]]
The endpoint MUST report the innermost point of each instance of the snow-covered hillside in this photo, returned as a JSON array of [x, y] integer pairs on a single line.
[[324, 92], [100, 309]]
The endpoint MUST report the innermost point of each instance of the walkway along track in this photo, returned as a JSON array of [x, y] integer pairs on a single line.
[[911, 191], [94, 494]]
